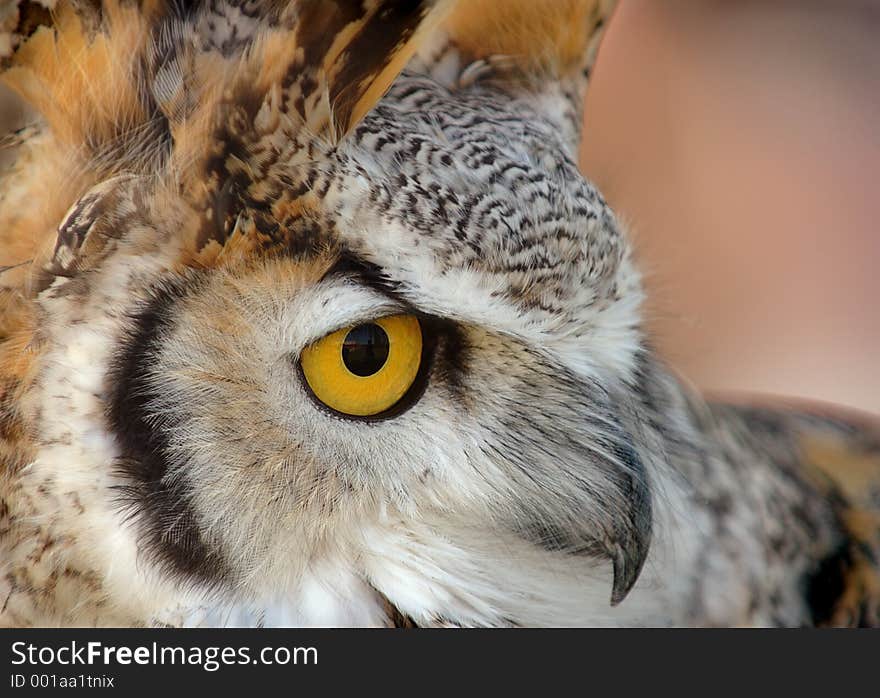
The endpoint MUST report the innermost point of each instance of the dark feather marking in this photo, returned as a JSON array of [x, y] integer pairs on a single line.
[[372, 50], [826, 585], [160, 506]]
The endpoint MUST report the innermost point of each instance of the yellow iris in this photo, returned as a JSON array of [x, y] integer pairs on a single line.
[[365, 370]]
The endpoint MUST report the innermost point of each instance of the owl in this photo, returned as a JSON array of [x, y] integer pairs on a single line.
[[308, 317]]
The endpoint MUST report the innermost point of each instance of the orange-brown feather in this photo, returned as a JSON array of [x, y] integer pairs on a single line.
[[544, 36]]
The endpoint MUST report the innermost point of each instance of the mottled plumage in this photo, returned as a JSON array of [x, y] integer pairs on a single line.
[[210, 191]]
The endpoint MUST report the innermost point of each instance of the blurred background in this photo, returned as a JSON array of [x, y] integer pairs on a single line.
[[740, 142]]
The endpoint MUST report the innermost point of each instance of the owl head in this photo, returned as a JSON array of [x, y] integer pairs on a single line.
[[321, 313]]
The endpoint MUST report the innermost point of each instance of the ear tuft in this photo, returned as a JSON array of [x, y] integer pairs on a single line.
[[81, 75], [80, 79], [542, 37], [368, 52], [535, 49]]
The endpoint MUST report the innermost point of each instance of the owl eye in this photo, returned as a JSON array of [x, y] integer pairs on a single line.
[[365, 370]]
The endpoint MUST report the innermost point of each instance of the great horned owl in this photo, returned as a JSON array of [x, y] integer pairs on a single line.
[[307, 317]]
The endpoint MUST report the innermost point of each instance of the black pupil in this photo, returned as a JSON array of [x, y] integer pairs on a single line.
[[365, 349]]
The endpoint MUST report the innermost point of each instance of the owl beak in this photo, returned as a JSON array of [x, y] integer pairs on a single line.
[[627, 568], [629, 549]]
